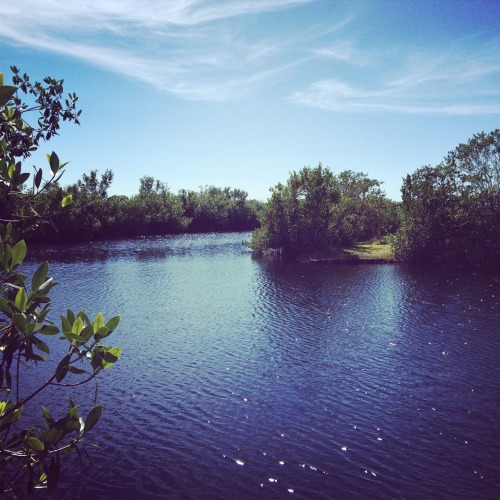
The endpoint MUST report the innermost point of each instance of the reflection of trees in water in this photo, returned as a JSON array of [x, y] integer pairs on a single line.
[[68, 254], [142, 249]]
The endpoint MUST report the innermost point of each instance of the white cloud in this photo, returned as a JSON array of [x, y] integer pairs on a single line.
[[342, 51], [223, 49], [105, 14], [181, 46], [454, 83]]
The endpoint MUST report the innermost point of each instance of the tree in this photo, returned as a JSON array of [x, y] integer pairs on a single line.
[[21, 138], [93, 186], [451, 212], [89, 214], [156, 210], [297, 216], [363, 211], [30, 457], [317, 211], [218, 209]]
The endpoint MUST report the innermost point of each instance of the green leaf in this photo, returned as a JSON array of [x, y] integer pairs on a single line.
[[67, 201], [33, 328], [111, 357], [73, 413], [21, 299], [73, 337], [112, 324], [35, 443], [70, 315], [12, 171], [101, 333], [76, 371], [22, 178], [49, 330], [86, 333], [6, 93], [7, 258], [38, 357], [38, 178], [19, 321], [93, 417], [62, 368], [77, 326], [53, 435], [47, 417], [4, 307], [39, 277], [41, 345], [47, 285], [66, 325], [18, 253], [85, 318], [98, 322], [11, 418], [54, 162]]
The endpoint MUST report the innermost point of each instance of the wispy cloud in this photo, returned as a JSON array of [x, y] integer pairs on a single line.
[[184, 47], [457, 82], [228, 49], [343, 51], [146, 13]]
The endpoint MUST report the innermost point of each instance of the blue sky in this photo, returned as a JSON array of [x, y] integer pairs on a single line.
[[241, 92]]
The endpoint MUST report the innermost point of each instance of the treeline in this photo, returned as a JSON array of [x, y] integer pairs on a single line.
[[154, 210], [449, 214], [316, 211]]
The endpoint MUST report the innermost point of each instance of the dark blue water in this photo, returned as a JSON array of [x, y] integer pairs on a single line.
[[243, 378]]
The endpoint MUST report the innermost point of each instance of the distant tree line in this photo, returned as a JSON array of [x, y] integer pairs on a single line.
[[154, 210], [449, 214], [316, 211]]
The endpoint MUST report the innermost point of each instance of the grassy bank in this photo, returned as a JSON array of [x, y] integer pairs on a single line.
[[374, 252]]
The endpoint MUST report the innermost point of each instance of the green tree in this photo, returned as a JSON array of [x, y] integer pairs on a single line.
[[363, 211], [29, 456], [218, 209], [89, 217], [451, 212], [296, 218], [317, 211], [156, 210], [91, 184]]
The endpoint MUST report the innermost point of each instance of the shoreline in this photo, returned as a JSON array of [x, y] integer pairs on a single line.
[[354, 260], [361, 253]]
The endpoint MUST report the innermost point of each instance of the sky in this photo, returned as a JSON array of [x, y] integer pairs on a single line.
[[240, 93]]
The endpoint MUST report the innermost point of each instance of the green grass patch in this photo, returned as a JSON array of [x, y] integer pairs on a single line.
[[378, 251], [372, 250]]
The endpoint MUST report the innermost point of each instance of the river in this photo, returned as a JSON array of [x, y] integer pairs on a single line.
[[246, 378]]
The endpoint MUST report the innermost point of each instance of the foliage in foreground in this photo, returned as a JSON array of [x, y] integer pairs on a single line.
[[317, 211], [30, 457], [451, 212]]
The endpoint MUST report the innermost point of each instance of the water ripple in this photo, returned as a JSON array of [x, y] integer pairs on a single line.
[[247, 378]]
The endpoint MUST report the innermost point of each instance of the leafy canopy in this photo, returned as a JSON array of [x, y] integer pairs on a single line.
[[451, 212], [30, 457]]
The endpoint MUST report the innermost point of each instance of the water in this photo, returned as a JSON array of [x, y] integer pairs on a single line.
[[243, 378]]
